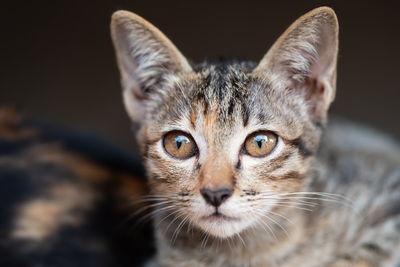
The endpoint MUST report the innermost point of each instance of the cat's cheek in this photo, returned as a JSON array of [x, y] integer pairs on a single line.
[[167, 178]]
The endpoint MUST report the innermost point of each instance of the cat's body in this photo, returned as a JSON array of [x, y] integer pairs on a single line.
[[242, 167]]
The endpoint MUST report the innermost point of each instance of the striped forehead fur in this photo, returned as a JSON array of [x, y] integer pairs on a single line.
[[236, 95]]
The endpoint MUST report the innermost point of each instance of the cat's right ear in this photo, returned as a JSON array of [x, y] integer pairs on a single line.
[[145, 57], [304, 59]]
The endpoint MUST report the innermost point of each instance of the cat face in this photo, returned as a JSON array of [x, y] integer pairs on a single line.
[[220, 142], [224, 142]]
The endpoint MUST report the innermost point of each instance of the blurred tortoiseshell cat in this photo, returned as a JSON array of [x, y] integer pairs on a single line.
[[242, 167]]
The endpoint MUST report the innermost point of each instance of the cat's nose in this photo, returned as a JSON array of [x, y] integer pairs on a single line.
[[216, 197]]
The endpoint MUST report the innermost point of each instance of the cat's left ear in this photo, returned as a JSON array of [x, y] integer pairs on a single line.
[[304, 58], [145, 58]]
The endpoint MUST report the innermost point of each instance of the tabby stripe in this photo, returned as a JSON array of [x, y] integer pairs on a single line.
[[304, 151], [288, 175]]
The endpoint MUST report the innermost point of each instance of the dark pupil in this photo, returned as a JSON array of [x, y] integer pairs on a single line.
[[180, 140], [260, 139]]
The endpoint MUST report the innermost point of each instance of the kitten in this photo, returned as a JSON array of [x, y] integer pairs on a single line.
[[242, 166]]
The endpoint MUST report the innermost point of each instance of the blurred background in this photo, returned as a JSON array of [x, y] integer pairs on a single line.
[[58, 65]]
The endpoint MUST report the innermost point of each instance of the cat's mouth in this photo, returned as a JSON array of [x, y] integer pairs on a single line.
[[218, 216], [221, 225]]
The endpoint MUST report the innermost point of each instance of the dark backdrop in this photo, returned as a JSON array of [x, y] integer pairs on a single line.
[[57, 61]]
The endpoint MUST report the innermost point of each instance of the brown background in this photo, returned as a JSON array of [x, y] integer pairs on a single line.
[[57, 61]]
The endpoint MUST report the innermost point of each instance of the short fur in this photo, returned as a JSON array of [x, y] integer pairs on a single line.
[[327, 194], [316, 200], [65, 197]]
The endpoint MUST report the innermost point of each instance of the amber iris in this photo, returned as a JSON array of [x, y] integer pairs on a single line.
[[260, 144], [179, 145]]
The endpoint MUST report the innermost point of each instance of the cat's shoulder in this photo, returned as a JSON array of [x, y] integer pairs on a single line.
[[349, 138], [352, 154], [361, 167]]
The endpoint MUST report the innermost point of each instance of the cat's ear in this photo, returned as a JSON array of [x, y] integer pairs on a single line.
[[145, 56], [305, 56]]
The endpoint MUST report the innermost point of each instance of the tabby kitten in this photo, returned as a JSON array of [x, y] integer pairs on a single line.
[[239, 169]]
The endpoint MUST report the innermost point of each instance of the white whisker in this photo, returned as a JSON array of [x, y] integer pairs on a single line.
[[166, 217], [178, 229], [289, 206], [152, 206], [176, 218], [265, 224], [154, 212], [241, 239], [274, 221]]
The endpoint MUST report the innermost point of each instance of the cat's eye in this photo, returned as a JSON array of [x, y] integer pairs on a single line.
[[179, 145], [260, 144]]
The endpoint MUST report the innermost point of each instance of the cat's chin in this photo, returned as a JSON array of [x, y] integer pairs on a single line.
[[223, 226]]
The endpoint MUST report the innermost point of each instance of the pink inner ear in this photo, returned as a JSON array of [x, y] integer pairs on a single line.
[[314, 92]]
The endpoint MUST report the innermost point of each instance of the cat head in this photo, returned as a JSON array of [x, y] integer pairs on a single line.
[[223, 141]]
